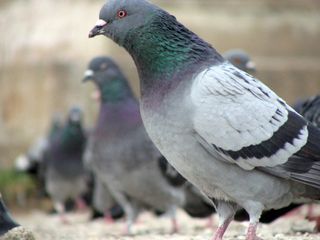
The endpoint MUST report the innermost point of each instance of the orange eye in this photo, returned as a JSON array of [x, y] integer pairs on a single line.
[[122, 13]]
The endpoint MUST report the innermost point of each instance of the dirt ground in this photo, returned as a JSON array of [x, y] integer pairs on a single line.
[[149, 227]]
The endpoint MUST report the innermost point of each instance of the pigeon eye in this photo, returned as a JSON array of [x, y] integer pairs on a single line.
[[103, 66], [122, 13]]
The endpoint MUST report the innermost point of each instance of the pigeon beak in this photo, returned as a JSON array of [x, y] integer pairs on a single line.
[[98, 28], [88, 76], [251, 66]]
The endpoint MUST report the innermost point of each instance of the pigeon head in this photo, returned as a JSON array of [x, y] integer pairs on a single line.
[[240, 59], [72, 134], [75, 115], [160, 46], [110, 81], [119, 17]]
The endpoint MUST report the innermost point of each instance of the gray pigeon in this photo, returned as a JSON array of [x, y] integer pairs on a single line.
[[64, 172], [31, 162], [222, 129], [122, 155], [240, 59], [310, 109]]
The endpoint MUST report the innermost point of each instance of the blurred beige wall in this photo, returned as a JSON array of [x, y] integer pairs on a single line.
[[44, 50]]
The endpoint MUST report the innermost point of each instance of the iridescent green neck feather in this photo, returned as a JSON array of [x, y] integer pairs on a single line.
[[115, 90], [73, 136], [163, 47]]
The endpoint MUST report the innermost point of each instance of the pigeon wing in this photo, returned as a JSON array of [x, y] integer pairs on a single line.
[[245, 123]]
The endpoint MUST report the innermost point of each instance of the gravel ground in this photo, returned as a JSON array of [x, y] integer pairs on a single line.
[[46, 227]]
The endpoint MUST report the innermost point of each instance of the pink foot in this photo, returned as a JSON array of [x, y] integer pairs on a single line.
[[175, 227], [317, 220], [81, 205], [310, 211], [252, 232], [293, 213], [108, 219], [127, 231], [317, 227]]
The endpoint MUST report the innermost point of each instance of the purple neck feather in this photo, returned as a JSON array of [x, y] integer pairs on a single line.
[[115, 118]]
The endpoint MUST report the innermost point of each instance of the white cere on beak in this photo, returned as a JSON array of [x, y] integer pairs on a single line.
[[251, 65], [88, 73], [101, 23], [22, 163]]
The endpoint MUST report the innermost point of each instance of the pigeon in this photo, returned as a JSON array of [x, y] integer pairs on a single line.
[[310, 110], [31, 162], [122, 156], [64, 172], [240, 59], [219, 127]]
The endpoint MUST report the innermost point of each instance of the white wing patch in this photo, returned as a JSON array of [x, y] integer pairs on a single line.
[[234, 111]]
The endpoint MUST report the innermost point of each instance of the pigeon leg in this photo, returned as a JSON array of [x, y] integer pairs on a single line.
[[175, 226], [130, 208], [59, 206], [317, 227], [252, 232], [310, 211], [132, 214], [81, 204], [223, 225], [311, 217], [254, 210], [226, 213]]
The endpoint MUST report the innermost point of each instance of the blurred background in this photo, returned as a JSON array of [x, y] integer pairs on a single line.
[[44, 51]]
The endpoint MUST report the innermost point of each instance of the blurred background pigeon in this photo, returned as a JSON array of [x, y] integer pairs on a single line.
[[64, 172], [122, 155], [31, 162], [240, 59], [310, 110]]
